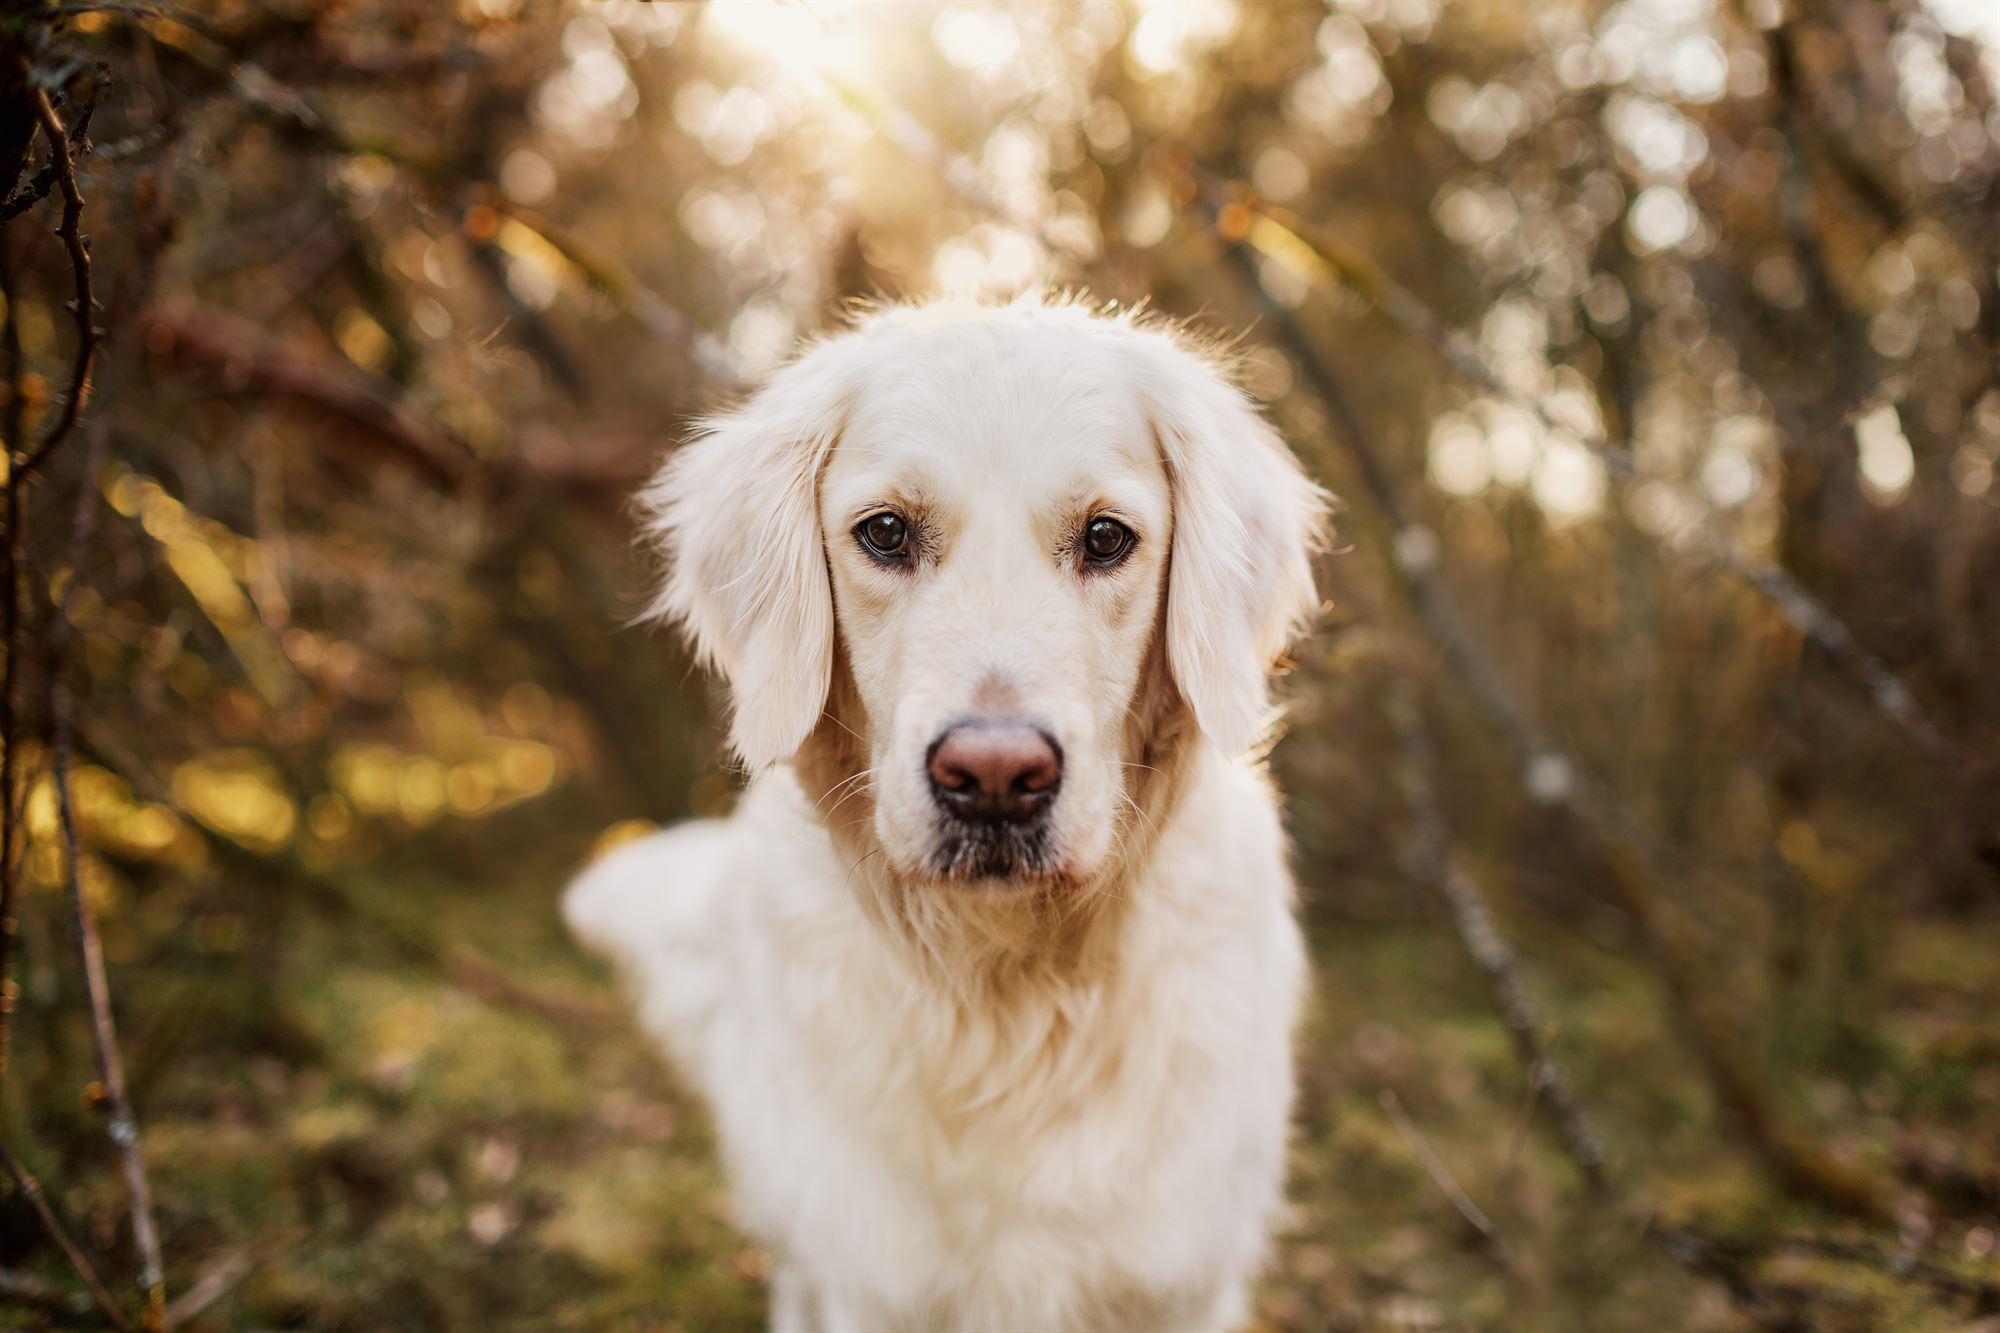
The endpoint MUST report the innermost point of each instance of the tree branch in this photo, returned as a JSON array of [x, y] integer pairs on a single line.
[[37, 189], [248, 359], [1438, 863], [83, 304], [31, 1190], [104, 1029], [1441, 1176]]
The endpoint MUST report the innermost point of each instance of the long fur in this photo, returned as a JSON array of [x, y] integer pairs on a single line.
[[1053, 1101]]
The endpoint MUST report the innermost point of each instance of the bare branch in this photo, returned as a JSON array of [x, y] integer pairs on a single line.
[[219, 1279], [132, 292], [250, 360], [1441, 1176], [83, 305], [1438, 863], [104, 1029], [37, 188], [31, 1190]]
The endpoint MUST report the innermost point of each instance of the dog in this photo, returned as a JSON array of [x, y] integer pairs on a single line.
[[990, 978]]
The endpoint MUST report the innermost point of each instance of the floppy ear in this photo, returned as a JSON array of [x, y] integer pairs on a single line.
[[735, 511], [1247, 521]]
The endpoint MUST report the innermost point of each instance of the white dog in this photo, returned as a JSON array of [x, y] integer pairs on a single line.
[[990, 979]]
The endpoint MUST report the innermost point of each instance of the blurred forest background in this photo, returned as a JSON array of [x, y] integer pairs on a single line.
[[1645, 772]]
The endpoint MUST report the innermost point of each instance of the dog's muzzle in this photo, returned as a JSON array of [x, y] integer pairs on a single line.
[[994, 782]]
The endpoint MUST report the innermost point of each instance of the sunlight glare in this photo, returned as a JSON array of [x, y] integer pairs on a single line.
[[1568, 481], [1169, 32], [815, 45], [1460, 461], [980, 40], [1887, 464]]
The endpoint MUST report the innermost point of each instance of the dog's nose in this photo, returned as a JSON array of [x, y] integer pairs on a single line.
[[1003, 771]]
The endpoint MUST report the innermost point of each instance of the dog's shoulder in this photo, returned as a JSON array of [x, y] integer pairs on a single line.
[[645, 888], [661, 881], [658, 908]]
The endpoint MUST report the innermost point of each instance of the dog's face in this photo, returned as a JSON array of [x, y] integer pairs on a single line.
[[997, 527], [989, 519]]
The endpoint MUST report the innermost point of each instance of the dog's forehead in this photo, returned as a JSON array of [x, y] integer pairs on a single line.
[[999, 391]]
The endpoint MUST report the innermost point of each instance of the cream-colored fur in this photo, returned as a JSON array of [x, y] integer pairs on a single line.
[[1051, 1098]]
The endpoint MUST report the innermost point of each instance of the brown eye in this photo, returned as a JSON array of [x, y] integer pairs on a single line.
[[885, 535], [1106, 541]]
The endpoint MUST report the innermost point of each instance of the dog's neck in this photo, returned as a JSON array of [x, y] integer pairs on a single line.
[[988, 939]]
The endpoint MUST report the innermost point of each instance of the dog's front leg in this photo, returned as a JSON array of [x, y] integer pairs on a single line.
[[795, 1305], [801, 1305]]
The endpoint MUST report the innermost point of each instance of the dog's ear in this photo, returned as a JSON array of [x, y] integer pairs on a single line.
[[736, 513], [1247, 521]]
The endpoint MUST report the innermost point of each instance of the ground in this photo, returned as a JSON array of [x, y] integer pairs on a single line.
[[424, 1109]]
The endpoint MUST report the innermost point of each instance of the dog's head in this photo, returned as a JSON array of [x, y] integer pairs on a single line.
[[983, 556]]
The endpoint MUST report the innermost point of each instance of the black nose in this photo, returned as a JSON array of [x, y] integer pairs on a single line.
[[998, 771]]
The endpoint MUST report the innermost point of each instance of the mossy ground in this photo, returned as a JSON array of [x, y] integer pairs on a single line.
[[449, 1123]]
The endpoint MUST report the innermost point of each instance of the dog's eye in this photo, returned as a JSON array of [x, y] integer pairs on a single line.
[[885, 535], [1106, 541]]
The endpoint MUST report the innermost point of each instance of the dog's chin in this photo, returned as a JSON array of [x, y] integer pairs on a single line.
[[994, 857]]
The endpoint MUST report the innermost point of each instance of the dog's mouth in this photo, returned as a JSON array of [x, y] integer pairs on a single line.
[[965, 850]]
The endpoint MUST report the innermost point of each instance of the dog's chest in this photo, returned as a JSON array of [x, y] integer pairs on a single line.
[[1052, 1102], [955, 1158], [1098, 1143]]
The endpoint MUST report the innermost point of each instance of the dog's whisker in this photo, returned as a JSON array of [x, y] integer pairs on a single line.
[[871, 852], [865, 789], [1139, 810], [862, 777], [830, 716], [840, 786]]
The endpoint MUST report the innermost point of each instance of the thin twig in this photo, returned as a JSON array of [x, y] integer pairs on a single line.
[[20, 1289], [37, 188], [79, 262], [110, 1062], [31, 1190], [217, 1280], [1439, 864], [1531, 1097], [124, 1131], [1441, 1175]]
